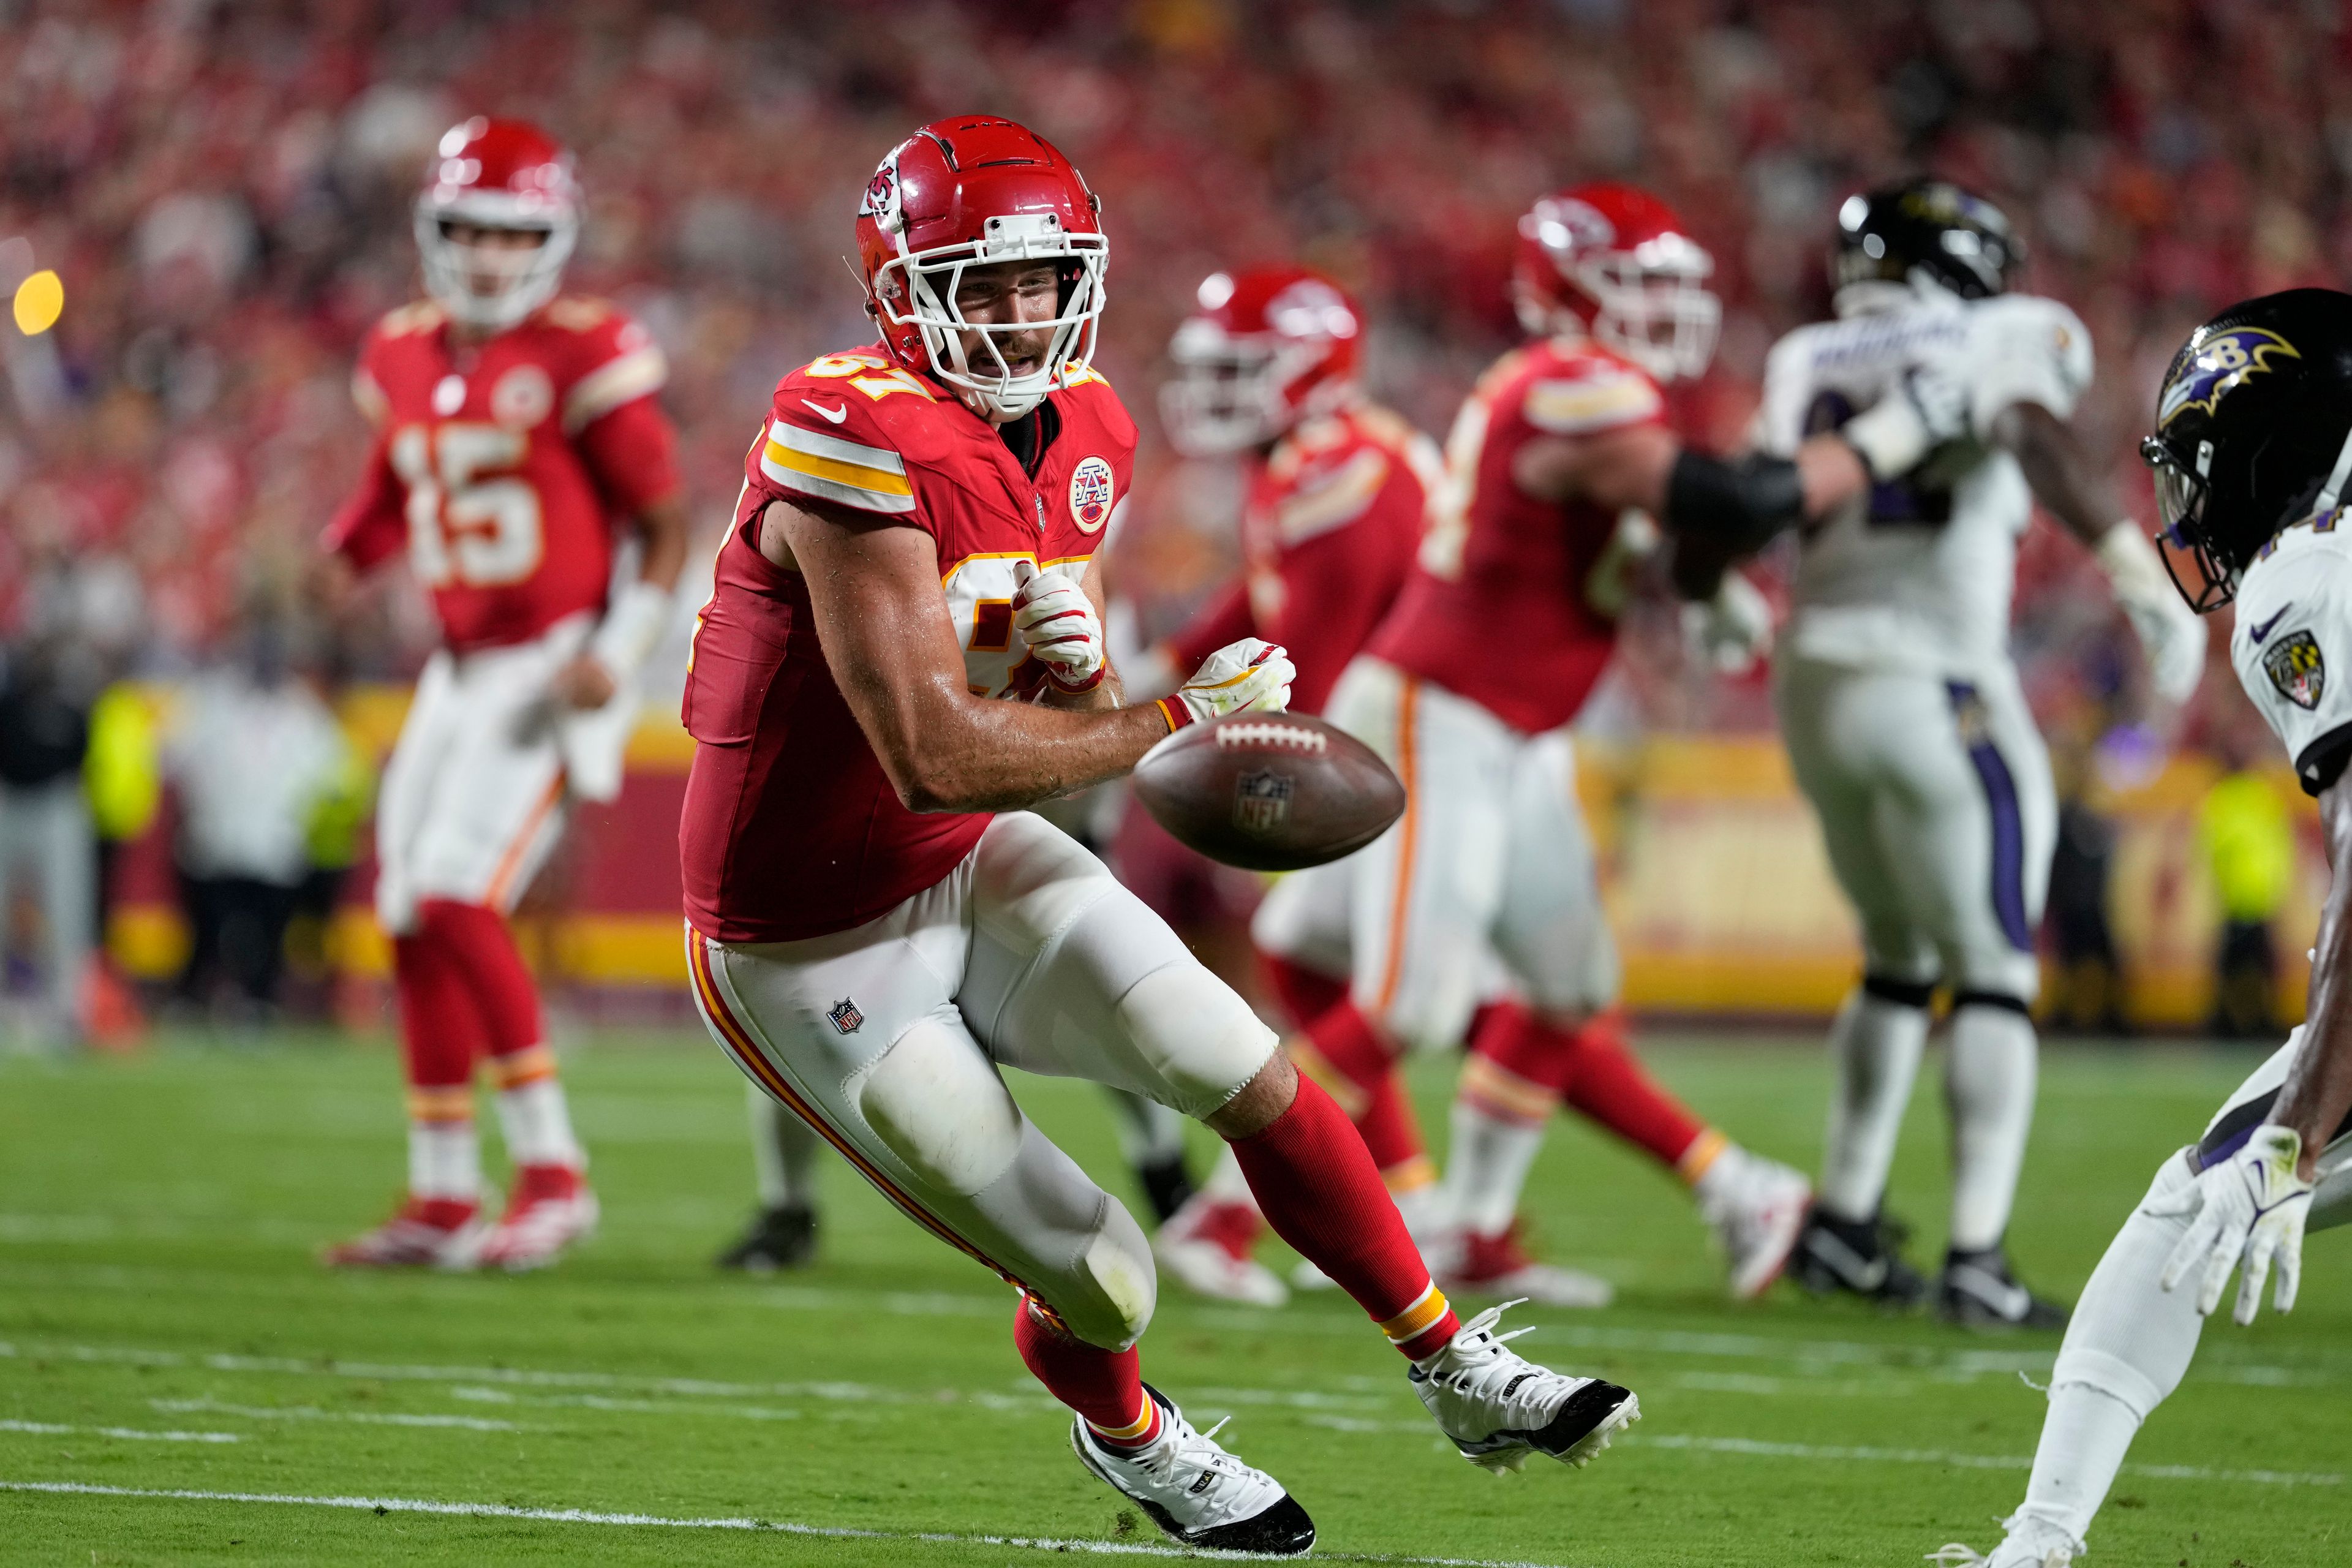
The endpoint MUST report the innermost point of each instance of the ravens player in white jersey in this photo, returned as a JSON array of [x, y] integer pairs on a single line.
[[1905, 722], [2252, 454]]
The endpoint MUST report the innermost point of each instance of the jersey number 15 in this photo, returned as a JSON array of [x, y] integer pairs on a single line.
[[468, 521]]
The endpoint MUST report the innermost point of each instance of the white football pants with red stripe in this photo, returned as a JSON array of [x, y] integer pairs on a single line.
[[887, 1038]]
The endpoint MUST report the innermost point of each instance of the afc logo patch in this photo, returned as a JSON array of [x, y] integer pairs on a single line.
[[2295, 668], [1090, 494], [845, 1017], [1262, 801]]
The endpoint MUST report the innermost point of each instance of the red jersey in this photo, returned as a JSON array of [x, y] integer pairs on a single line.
[[1513, 600], [503, 466], [1328, 533], [791, 828]]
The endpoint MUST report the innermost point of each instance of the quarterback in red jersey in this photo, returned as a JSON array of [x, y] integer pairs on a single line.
[[904, 647], [1557, 466], [515, 434]]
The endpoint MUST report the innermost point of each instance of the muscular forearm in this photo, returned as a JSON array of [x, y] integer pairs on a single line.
[[971, 753], [2318, 1088]]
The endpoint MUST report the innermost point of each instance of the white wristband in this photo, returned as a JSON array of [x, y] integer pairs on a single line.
[[633, 621]]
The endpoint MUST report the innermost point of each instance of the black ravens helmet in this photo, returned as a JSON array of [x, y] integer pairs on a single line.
[[1960, 240], [2253, 434]]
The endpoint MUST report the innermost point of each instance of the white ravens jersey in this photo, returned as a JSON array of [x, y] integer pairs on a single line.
[[2292, 645], [1917, 575]]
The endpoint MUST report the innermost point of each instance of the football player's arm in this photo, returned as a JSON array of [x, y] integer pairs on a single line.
[[2317, 1093], [874, 589], [369, 529], [2070, 487], [1717, 510], [633, 452]]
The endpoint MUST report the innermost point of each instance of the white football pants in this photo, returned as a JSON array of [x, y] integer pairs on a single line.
[[474, 799], [887, 1038], [1937, 806], [1489, 862]]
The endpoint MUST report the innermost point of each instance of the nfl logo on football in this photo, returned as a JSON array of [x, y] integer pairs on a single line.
[[1261, 802]]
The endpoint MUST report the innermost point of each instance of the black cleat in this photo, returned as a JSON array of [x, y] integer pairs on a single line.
[[1855, 1258], [1978, 1291], [778, 1239]]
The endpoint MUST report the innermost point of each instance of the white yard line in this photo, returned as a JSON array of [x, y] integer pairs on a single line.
[[838, 1532], [130, 1434], [313, 1413]]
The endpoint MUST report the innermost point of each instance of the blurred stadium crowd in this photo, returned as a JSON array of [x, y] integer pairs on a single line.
[[226, 189]]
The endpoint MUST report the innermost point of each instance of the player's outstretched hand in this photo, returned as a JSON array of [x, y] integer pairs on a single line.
[[582, 684], [1057, 621], [2253, 1206], [1248, 674], [1732, 630], [1928, 408], [2171, 633]]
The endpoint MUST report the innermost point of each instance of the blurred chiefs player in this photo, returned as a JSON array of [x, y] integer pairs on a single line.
[[516, 433], [903, 649], [1557, 466], [1266, 368]]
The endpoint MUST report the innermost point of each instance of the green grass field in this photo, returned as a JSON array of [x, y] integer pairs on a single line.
[[164, 1332]]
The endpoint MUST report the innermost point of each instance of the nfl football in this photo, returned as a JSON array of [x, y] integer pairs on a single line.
[[1270, 792]]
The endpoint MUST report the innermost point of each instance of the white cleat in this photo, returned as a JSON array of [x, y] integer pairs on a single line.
[[1498, 1265], [1757, 1209], [425, 1233], [1501, 1409], [2031, 1544], [1205, 1247], [1197, 1492], [549, 1208]]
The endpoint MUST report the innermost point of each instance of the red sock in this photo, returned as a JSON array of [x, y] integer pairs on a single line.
[[493, 971], [1322, 1194], [1516, 1064], [1305, 994], [1105, 1387], [1364, 1079], [441, 1032], [1608, 1083]]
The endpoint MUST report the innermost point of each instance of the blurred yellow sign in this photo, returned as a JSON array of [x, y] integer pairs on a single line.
[[40, 299]]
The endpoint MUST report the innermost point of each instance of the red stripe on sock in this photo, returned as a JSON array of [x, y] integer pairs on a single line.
[[441, 1034], [491, 967], [1346, 1039], [1320, 1192]]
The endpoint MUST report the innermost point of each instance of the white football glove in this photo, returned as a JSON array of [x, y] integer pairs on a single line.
[[1248, 674], [1058, 622], [1732, 630], [1896, 435], [2171, 633], [2251, 1205]]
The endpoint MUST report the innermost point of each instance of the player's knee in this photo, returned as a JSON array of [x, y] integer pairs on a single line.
[[939, 1105], [1118, 1287], [1202, 1036]]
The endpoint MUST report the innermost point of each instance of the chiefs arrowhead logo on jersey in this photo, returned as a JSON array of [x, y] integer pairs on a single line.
[[1090, 494], [2295, 668]]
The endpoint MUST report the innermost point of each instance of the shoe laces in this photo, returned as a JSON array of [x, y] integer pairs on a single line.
[[1479, 1364], [1185, 1454]]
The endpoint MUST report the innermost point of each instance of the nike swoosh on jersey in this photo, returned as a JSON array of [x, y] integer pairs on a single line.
[[835, 415], [2256, 633]]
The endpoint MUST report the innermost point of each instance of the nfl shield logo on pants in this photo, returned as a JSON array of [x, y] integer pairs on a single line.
[[845, 1017]]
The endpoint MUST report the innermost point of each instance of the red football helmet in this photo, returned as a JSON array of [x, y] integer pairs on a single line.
[[1615, 262], [1261, 351], [502, 174], [974, 192]]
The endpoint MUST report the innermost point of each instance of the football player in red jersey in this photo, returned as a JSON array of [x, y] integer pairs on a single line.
[[904, 647], [1266, 368], [1556, 466], [516, 435]]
